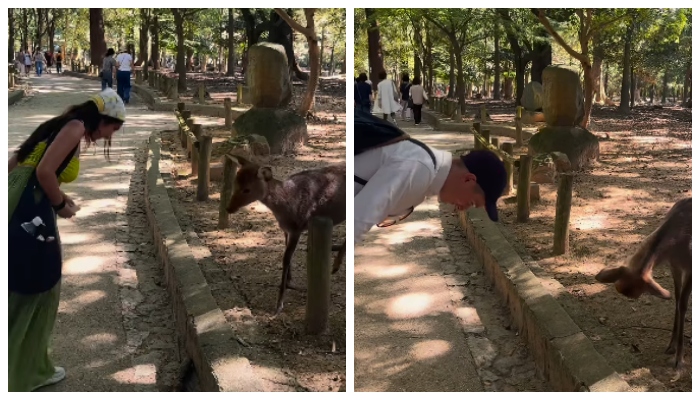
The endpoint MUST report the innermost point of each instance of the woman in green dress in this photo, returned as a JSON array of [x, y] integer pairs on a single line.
[[49, 157]]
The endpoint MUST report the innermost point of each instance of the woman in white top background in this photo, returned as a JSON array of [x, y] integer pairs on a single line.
[[418, 96], [388, 97], [125, 64]]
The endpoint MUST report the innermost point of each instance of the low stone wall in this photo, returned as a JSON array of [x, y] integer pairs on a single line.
[[15, 96], [442, 123], [209, 339], [562, 352]]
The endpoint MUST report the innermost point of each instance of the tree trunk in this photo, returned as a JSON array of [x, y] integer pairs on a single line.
[[323, 34], [25, 28], [331, 67], [542, 56], [461, 90], [451, 92], [374, 45], [633, 86], [314, 63], [155, 39], [180, 56], [519, 79], [11, 37], [38, 36], [664, 91], [417, 67], [143, 37], [687, 81], [231, 62], [588, 95], [508, 88], [98, 47], [51, 29], [626, 65], [281, 33], [497, 63], [598, 70], [429, 60]]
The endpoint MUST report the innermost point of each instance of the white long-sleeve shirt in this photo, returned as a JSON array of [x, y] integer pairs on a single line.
[[400, 176]]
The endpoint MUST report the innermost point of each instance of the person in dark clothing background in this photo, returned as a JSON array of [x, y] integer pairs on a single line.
[[363, 93], [405, 86]]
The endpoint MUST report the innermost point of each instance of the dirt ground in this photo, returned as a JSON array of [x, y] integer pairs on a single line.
[[643, 170], [245, 280]]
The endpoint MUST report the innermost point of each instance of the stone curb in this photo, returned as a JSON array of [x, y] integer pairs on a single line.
[[152, 100], [562, 352], [439, 123], [15, 96], [209, 339]]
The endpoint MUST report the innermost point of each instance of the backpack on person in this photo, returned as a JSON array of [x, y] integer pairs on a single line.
[[372, 132]]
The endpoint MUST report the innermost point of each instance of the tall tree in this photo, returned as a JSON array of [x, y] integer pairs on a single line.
[[309, 32], [587, 27], [181, 15], [98, 46], [231, 42], [496, 61], [281, 32], [375, 55], [11, 37]]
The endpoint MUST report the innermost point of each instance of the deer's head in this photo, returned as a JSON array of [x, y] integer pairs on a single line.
[[250, 184], [632, 284]]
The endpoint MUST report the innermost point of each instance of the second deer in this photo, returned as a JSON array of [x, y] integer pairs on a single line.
[[670, 242], [294, 202]]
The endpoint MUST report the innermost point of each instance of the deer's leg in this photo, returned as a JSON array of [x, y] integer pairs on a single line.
[[339, 258], [681, 310], [291, 239], [677, 274]]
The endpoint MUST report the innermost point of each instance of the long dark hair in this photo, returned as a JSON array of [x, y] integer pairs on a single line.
[[86, 112]]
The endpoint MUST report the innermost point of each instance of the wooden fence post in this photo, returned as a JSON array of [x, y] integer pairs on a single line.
[[518, 126], [483, 113], [563, 213], [230, 167], [495, 142], [486, 133], [204, 165], [239, 94], [524, 188], [197, 131], [477, 129], [228, 115], [201, 93], [318, 272], [508, 148]]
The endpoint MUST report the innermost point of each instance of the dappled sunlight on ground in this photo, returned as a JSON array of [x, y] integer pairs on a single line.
[[78, 303], [411, 305], [429, 349], [84, 265]]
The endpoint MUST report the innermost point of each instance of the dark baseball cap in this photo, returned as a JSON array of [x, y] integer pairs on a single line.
[[490, 174]]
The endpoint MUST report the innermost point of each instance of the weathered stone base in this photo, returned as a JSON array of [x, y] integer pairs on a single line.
[[532, 117], [580, 145], [284, 129]]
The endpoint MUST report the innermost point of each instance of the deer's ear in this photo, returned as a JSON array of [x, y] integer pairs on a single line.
[[265, 173], [610, 275], [654, 289]]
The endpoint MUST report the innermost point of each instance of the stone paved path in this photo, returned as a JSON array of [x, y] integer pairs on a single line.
[[115, 330], [426, 318]]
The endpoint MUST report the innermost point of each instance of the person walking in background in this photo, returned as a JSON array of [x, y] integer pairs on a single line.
[[405, 86], [388, 97], [124, 65], [49, 61], [418, 97], [27, 63], [19, 62], [59, 62], [39, 61], [109, 68], [363, 93]]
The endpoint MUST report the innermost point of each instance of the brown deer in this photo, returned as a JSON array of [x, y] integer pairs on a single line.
[[293, 202], [669, 242]]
